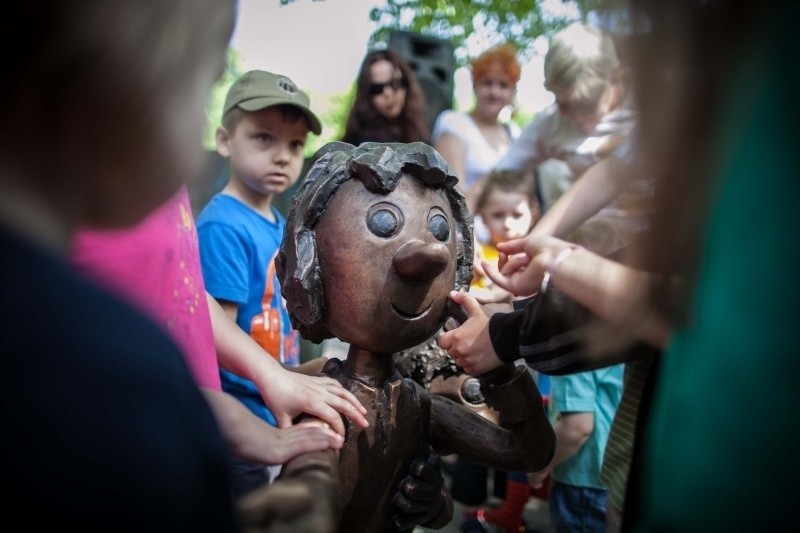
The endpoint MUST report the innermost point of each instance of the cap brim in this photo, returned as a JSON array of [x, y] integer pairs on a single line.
[[256, 104]]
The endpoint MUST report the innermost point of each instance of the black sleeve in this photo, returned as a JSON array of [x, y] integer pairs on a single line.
[[549, 332], [504, 331]]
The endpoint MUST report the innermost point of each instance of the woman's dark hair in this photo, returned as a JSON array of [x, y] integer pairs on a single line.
[[365, 124]]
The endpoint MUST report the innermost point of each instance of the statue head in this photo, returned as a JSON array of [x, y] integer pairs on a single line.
[[376, 238]]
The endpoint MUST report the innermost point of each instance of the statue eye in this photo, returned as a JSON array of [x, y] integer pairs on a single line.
[[439, 227], [383, 222]]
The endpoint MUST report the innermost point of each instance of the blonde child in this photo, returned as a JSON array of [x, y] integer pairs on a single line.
[[508, 207], [593, 111]]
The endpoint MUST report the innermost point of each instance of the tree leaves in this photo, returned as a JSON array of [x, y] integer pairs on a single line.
[[475, 25]]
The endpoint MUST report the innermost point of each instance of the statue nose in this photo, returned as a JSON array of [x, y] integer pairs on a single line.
[[420, 261]]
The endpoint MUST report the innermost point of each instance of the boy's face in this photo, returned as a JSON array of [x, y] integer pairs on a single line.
[[265, 150], [508, 215], [586, 115]]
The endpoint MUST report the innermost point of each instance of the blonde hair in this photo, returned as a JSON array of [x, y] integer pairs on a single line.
[[504, 55], [581, 61]]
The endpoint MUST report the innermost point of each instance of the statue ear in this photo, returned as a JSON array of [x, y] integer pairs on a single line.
[[301, 287]]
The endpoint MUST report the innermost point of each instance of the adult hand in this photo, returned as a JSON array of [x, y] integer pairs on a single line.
[[422, 498], [469, 344], [291, 394]]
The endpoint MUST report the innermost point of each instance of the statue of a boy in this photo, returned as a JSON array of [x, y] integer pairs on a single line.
[[376, 238]]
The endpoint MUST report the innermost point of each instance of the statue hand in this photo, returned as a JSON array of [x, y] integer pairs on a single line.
[[423, 498]]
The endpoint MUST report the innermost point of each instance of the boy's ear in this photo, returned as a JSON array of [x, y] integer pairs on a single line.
[[223, 139]]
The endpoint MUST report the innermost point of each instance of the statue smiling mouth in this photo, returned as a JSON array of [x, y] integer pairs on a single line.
[[411, 316]]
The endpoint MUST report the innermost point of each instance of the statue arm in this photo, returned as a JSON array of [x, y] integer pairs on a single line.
[[523, 441], [305, 497]]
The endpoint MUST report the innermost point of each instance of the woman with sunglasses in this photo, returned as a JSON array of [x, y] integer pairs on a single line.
[[389, 105]]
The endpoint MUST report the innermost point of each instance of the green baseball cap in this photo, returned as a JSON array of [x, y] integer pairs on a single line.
[[257, 89]]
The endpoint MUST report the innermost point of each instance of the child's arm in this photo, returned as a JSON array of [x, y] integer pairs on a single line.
[[572, 431], [309, 368], [251, 438], [287, 394], [231, 309], [483, 342], [595, 189]]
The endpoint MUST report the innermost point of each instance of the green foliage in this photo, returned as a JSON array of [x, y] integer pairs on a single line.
[[471, 25], [216, 99], [489, 21]]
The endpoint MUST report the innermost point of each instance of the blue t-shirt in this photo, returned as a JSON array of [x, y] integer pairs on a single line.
[[597, 392], [237, 252]]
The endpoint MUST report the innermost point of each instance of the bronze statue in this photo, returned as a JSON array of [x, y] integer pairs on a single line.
[[376, 238], [430, 366]]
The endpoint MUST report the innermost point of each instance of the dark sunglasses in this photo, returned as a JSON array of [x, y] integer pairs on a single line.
[[396, 84]]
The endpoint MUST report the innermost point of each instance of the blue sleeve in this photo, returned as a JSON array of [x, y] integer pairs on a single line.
[[574, 393], [223, 258]]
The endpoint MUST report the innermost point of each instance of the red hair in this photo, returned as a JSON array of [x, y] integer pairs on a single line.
[[505, 55]]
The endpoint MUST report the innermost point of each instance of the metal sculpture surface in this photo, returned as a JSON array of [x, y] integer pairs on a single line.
[[376, 238]]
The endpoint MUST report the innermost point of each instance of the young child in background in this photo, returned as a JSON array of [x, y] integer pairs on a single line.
[[593, 112], [509, 208], [584, 405], [265, 122], [550, 332]]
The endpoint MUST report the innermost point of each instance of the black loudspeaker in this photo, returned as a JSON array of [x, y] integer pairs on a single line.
[[433, 62]]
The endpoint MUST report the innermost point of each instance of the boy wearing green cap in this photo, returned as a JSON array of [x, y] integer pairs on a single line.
[[265, 122]]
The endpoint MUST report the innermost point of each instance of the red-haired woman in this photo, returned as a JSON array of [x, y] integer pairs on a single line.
[[473, 142]]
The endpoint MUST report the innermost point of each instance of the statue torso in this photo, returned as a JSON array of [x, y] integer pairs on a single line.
[[375, 460]]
